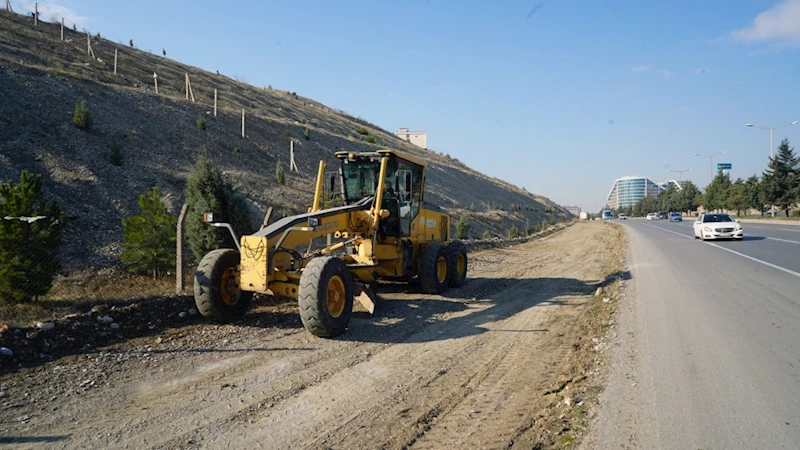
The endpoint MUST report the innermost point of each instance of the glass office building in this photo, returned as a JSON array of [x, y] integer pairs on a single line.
[[627, 191]]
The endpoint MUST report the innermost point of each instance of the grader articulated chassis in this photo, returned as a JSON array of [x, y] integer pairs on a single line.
[[384, 230]]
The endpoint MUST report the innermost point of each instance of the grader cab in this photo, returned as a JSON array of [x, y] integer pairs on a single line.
[[383, 230]]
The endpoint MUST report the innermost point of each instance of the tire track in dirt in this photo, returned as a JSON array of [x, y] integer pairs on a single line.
[[465, 369]]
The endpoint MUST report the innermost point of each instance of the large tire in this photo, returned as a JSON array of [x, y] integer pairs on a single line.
[[457, 263], [216, 293], [434, 273], [325, 299]]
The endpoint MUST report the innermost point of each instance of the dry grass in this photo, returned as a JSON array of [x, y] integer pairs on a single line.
[[79, 291]]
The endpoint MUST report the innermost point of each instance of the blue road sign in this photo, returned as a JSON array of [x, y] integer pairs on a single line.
[[724, 166]]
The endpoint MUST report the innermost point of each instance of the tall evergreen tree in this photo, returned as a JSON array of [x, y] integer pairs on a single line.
[[30, 234], [689, 197], [206, 193], [716, 196], [149, 237], [754, 194], [736, 197], [782, 178]]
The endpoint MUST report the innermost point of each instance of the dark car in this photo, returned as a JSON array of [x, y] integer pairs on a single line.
[[675, 217], [662, 215]]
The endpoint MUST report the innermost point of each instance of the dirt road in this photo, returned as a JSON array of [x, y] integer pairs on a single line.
[[479, 368]]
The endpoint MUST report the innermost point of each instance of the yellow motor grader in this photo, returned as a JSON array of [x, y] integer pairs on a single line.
[[384, 230]]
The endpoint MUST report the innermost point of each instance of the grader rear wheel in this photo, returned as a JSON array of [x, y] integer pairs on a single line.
[[434, 273], [325, 298], [457, 262], [216, 292]]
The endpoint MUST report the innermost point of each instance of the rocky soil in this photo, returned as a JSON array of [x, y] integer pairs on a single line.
[[512, 359]]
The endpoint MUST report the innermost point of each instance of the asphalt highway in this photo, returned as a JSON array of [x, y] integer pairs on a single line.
[[708, 349]]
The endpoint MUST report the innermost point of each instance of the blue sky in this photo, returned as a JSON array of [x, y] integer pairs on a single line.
[[561, 97]]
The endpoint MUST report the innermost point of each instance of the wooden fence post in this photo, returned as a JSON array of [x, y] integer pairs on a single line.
[[62, 28], [292, 163], [89, 50], [242, 122], [8, 6], [179, 251], [189, 87], [155, 79], [215, 103], [115, 61]]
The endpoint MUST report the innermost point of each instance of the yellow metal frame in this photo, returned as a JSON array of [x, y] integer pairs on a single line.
[[264, 269]]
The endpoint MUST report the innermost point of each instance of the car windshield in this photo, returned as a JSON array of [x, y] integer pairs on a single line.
[[717, 218]]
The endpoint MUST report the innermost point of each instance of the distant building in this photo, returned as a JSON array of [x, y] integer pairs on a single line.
[[628, 191], [574, 210], [418, 138]]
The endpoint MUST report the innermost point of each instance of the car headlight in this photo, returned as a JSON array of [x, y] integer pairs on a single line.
[[709, 230]]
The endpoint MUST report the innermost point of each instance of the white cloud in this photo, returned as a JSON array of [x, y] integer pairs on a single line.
[[52, 11], [665, 73], [640, 69], [781, 24]]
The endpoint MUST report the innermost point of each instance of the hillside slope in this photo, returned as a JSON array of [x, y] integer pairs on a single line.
[[42, 78]]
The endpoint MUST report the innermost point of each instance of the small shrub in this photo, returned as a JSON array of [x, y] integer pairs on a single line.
[[82, 118], [371, 139], [29, 259], [362, 131], [462, 228], [130, 43], [294, 94], [279, 176], [286, 131], [252, 105], [528, 228], [486, 235], [237, 149], [163, 101], [307, 134], [116, 153], [201, 123], [149, 237], [513, 233], [552, 221]]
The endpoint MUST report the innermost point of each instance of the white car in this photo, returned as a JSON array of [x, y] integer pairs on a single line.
[[622, 217], [652, 216], [717, 226]]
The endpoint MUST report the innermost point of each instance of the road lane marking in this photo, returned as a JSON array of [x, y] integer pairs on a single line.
[[768, 264], [782, 240], [771, 228]]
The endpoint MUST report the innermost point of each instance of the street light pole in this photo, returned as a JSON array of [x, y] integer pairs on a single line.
[[771, 135], [711, 163], [680, 172], [771, 145]]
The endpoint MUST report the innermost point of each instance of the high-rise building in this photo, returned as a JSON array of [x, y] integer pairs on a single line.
[[628, 191]]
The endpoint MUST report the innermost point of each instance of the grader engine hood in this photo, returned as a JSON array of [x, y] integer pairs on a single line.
[[267, 254]]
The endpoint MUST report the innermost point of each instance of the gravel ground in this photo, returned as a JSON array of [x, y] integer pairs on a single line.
[[503, 361]]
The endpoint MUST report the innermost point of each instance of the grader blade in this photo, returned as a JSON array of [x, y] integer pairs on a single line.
[[365, 296]]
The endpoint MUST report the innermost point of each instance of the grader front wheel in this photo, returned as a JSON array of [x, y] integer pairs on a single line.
[[216, 292], [457, 262], [434, 273], [326, 297]]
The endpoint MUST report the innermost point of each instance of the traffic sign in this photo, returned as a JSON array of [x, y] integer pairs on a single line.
[[724, 166]]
